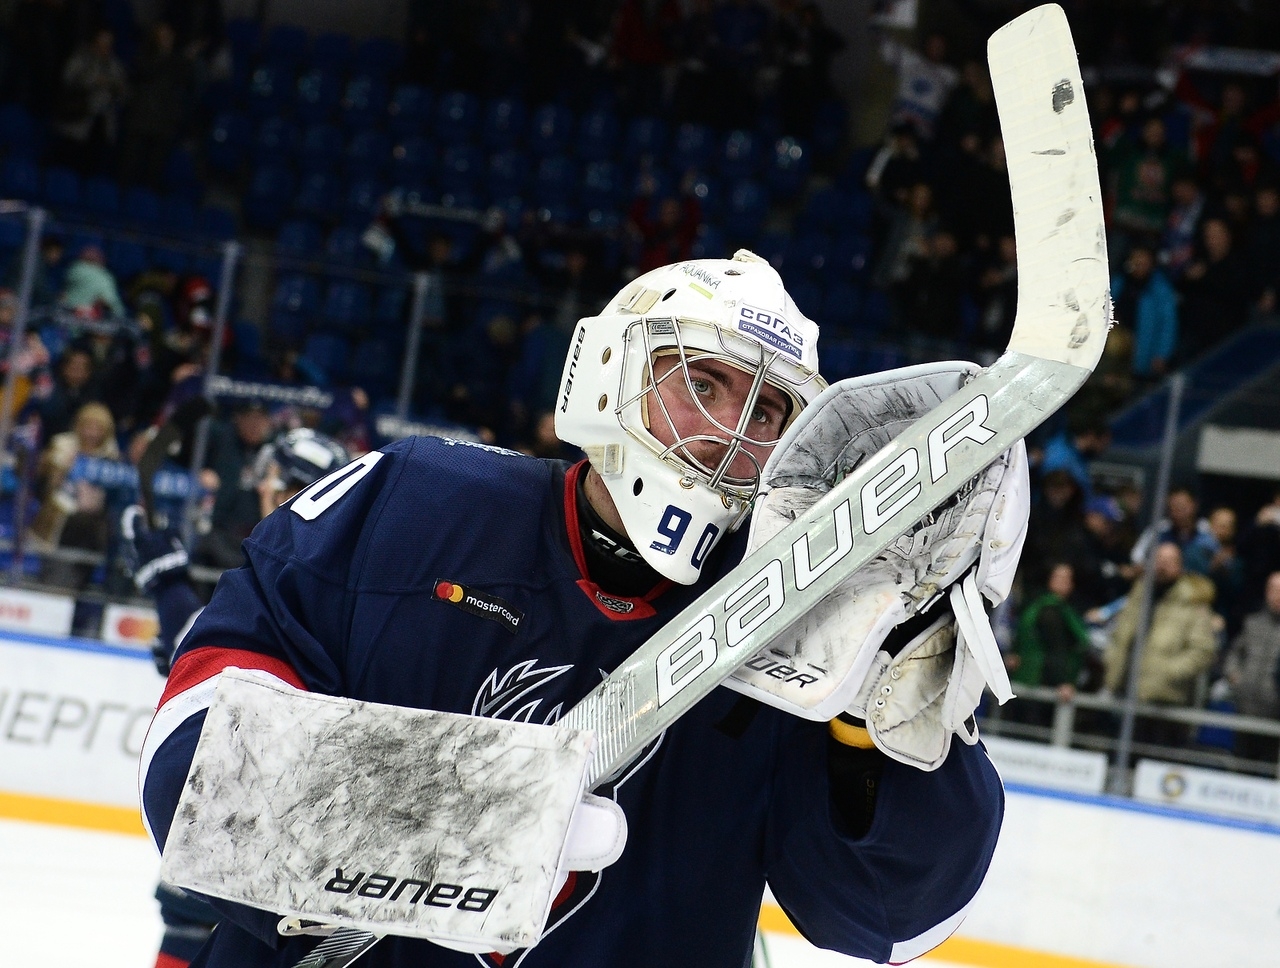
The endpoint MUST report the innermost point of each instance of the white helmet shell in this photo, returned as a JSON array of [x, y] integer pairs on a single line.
[[675, 508]]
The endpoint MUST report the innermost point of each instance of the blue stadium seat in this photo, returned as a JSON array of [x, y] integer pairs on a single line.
[[413, 160], [142, 207], [178, 213], [62, 189], [227, 146], [101, 197], [270, 89], [876, 312], [168, 257], [739, 155], [364, 195], [270, 191], [840, 359], [181, 176], [126, 259], [807, 297], [342, 247], [821, 210], [829, 127], [788, 169], [250, 363], [507, 173], [774, 246], [551, 130], [859, 208], [368, 153], [601, 185], [505, 119], [19, 134], [364, 102], [20, 178], [598, 135], [347, 306], [709, 191], [409, 111], [746, 207], [319, 90], [646, 138], [457, 117], [299, 238], [319, 196], [556, 181], [377, 57], [331, 52], [850, 256], [692, 147], [841, 306], [461, 166], [709, 243], [321, 150], [295, 305], [375, 365], [286, 45], [389, 308], [808, 254], [276, 142], [218, 223], [329, 352], [244, 36]]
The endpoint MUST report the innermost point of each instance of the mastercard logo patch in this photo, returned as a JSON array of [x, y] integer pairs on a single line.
[[447, 591]]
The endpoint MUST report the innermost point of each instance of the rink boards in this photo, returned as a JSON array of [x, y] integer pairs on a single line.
[[1078, 881]]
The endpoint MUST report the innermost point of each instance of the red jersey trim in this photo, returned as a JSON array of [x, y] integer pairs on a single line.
[[620, 608], [204, 663]]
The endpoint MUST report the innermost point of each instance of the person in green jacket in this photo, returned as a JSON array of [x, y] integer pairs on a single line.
[[1052, 644]]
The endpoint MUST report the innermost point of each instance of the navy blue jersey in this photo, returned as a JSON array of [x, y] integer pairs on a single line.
[[450, 576]]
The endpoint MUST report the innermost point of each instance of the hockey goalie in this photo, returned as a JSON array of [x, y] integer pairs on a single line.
[[462, 706]]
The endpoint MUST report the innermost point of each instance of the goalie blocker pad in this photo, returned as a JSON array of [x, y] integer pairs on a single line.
[[399, 821], [816, 668]]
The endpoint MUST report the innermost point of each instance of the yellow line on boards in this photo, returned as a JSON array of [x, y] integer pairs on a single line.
[[960, 951], [70, 813]]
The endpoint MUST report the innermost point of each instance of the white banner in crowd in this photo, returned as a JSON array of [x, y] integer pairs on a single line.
[[38, 612], [73, 715], [1058, 768], [1211, 791]]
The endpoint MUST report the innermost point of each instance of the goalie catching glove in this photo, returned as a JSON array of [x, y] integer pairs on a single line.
[[903, 646]]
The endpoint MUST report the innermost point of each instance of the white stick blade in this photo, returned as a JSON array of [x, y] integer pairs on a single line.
[[1064, 301]]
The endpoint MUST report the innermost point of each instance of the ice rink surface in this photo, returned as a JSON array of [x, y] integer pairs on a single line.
[[1074, 884]]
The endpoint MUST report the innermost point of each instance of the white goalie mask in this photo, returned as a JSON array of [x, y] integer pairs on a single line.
[[677, 392]]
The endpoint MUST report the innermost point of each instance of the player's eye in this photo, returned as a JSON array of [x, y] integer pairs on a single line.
[[700, 386]]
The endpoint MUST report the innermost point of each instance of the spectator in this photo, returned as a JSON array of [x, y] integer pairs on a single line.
[[229, 476], [1056, 528], [1260, 552], [31, 364], [971, 108], [896, 166], [1110, 572], [1183, 527], [1264, 247], [94, 86], [73, 511], [1145, 303], [1180, 645], [641, 51], [1251, 667], [1182, 225], [739, 32], [1052, 647], [74, 385], [89, 288], [1216, 291], [930, 298], [806, 45], [1142, 174], [907, 238], [665, 229], [48, 275], [1226, 568], [162, 84], [997, 296], [1085, 438], [924, 81]]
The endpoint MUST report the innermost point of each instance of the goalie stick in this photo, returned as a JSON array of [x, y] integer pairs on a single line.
[[1063, 314]]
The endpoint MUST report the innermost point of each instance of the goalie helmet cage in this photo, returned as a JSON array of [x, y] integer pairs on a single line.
[[1063, 315]]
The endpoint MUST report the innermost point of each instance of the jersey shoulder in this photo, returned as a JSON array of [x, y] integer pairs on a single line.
[[393, 517]]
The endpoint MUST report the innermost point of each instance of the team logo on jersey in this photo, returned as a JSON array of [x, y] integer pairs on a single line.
[[623, 606], [480, 603], [501, 696]]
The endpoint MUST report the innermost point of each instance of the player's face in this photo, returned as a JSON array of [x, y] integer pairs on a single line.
[[717, 390]]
